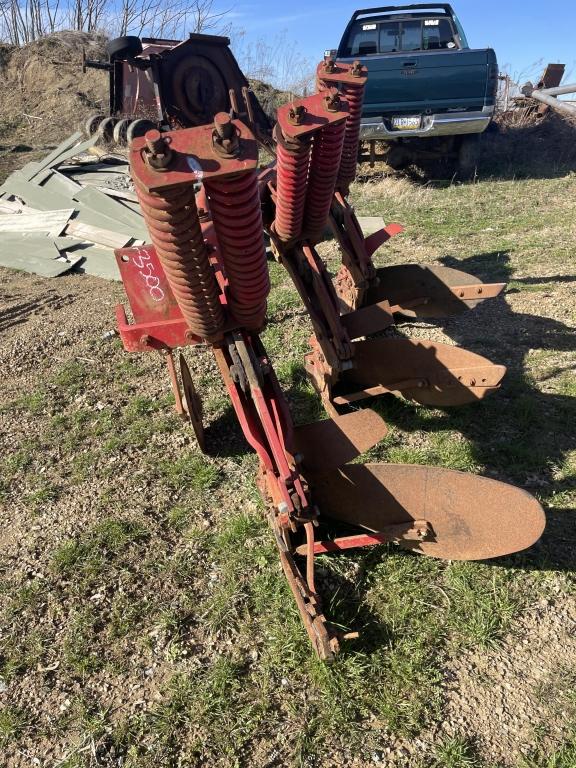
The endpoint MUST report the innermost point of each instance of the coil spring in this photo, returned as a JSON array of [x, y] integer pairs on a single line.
[[172, 220], [237, 216], [354, 95], [292, 164], [324, 168]]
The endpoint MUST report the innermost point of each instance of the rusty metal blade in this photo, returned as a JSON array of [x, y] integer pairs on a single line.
[[368, 320], [428, 372], [472, 517], [193, 403], [417, 290], [328, 444]]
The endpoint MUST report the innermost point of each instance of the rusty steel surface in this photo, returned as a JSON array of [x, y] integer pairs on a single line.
[[471, 517], [194, 158], [428, 372], [192, 402], [312, 113], [337, 73], [326, 445], [417, 290], [368, 320]]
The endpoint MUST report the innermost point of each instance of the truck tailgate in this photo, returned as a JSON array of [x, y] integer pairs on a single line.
[[435, 81]]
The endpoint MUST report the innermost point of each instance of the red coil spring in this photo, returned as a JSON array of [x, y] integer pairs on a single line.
[[292, 162], [324, 168], [237, 216], [172, 220], [354, 95]]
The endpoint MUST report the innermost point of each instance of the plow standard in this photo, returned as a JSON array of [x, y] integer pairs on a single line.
[[205, 280]]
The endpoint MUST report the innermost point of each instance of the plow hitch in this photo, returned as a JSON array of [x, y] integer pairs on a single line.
[[204, 280]]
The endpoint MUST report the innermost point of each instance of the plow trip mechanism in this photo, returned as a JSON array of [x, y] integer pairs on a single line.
[[205, 279]]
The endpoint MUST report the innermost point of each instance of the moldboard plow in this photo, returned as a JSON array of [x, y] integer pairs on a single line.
[[317, 141], [205, 280]]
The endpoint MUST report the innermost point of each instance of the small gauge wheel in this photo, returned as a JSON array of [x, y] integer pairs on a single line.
[[193, 403]]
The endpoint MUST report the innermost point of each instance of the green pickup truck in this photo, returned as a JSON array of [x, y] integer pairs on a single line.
[[428, 92]]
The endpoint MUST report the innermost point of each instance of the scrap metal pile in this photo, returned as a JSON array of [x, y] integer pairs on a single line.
[[205, 280], [69, 210]]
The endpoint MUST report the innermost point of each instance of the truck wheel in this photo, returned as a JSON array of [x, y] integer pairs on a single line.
[[397, 158], [124, 47], [468, 156]]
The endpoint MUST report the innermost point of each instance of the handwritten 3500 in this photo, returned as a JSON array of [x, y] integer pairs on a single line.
[[142, 262]]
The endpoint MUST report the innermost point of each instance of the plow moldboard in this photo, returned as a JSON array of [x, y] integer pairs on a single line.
[[472, 517], [328, 444], [428, 372], [405, 284]]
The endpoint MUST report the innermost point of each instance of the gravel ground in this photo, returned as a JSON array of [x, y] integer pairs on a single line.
[[89, 642]]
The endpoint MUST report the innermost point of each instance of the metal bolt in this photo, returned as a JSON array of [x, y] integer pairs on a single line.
[[332, 100], [145, 339], [329, 65], [356, 69], [296, 113], [223, 125], [155, 142]]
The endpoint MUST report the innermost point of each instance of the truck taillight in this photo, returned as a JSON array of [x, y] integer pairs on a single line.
[[492, 84]]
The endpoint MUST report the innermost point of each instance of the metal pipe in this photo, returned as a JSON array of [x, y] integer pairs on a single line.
[[560, 106], [561, 89]]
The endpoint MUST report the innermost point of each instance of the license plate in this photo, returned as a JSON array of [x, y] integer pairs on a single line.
[[406, 123]]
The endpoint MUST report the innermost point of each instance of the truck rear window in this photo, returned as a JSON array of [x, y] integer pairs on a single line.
[[370, 37]]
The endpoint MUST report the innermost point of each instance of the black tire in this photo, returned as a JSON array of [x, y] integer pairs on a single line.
[[124, 47], [397, 158], [106, 128], [92, 123], [468, 156], [138, 128], [119, 132]]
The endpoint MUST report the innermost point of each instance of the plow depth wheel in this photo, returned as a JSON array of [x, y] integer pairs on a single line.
[[193, 403]]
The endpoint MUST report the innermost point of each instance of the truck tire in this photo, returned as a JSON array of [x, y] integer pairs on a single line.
[[397, 158], [468, 156], [124, 47]]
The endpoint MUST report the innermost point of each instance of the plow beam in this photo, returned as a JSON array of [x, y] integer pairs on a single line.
[[467, 517]]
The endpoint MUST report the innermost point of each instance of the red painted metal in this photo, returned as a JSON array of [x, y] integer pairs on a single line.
[[158, 323], [349, 542], [351, 80], [148, 291], [305, 116], [159, 335], [235, 208], [194, 157], [293, 160], [172, 220], [354, 95], [324, 167]]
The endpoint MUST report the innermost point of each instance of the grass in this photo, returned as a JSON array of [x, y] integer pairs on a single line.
[[149, 577]]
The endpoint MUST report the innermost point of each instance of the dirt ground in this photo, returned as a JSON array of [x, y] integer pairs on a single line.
[[144, 619], [116, 536]]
